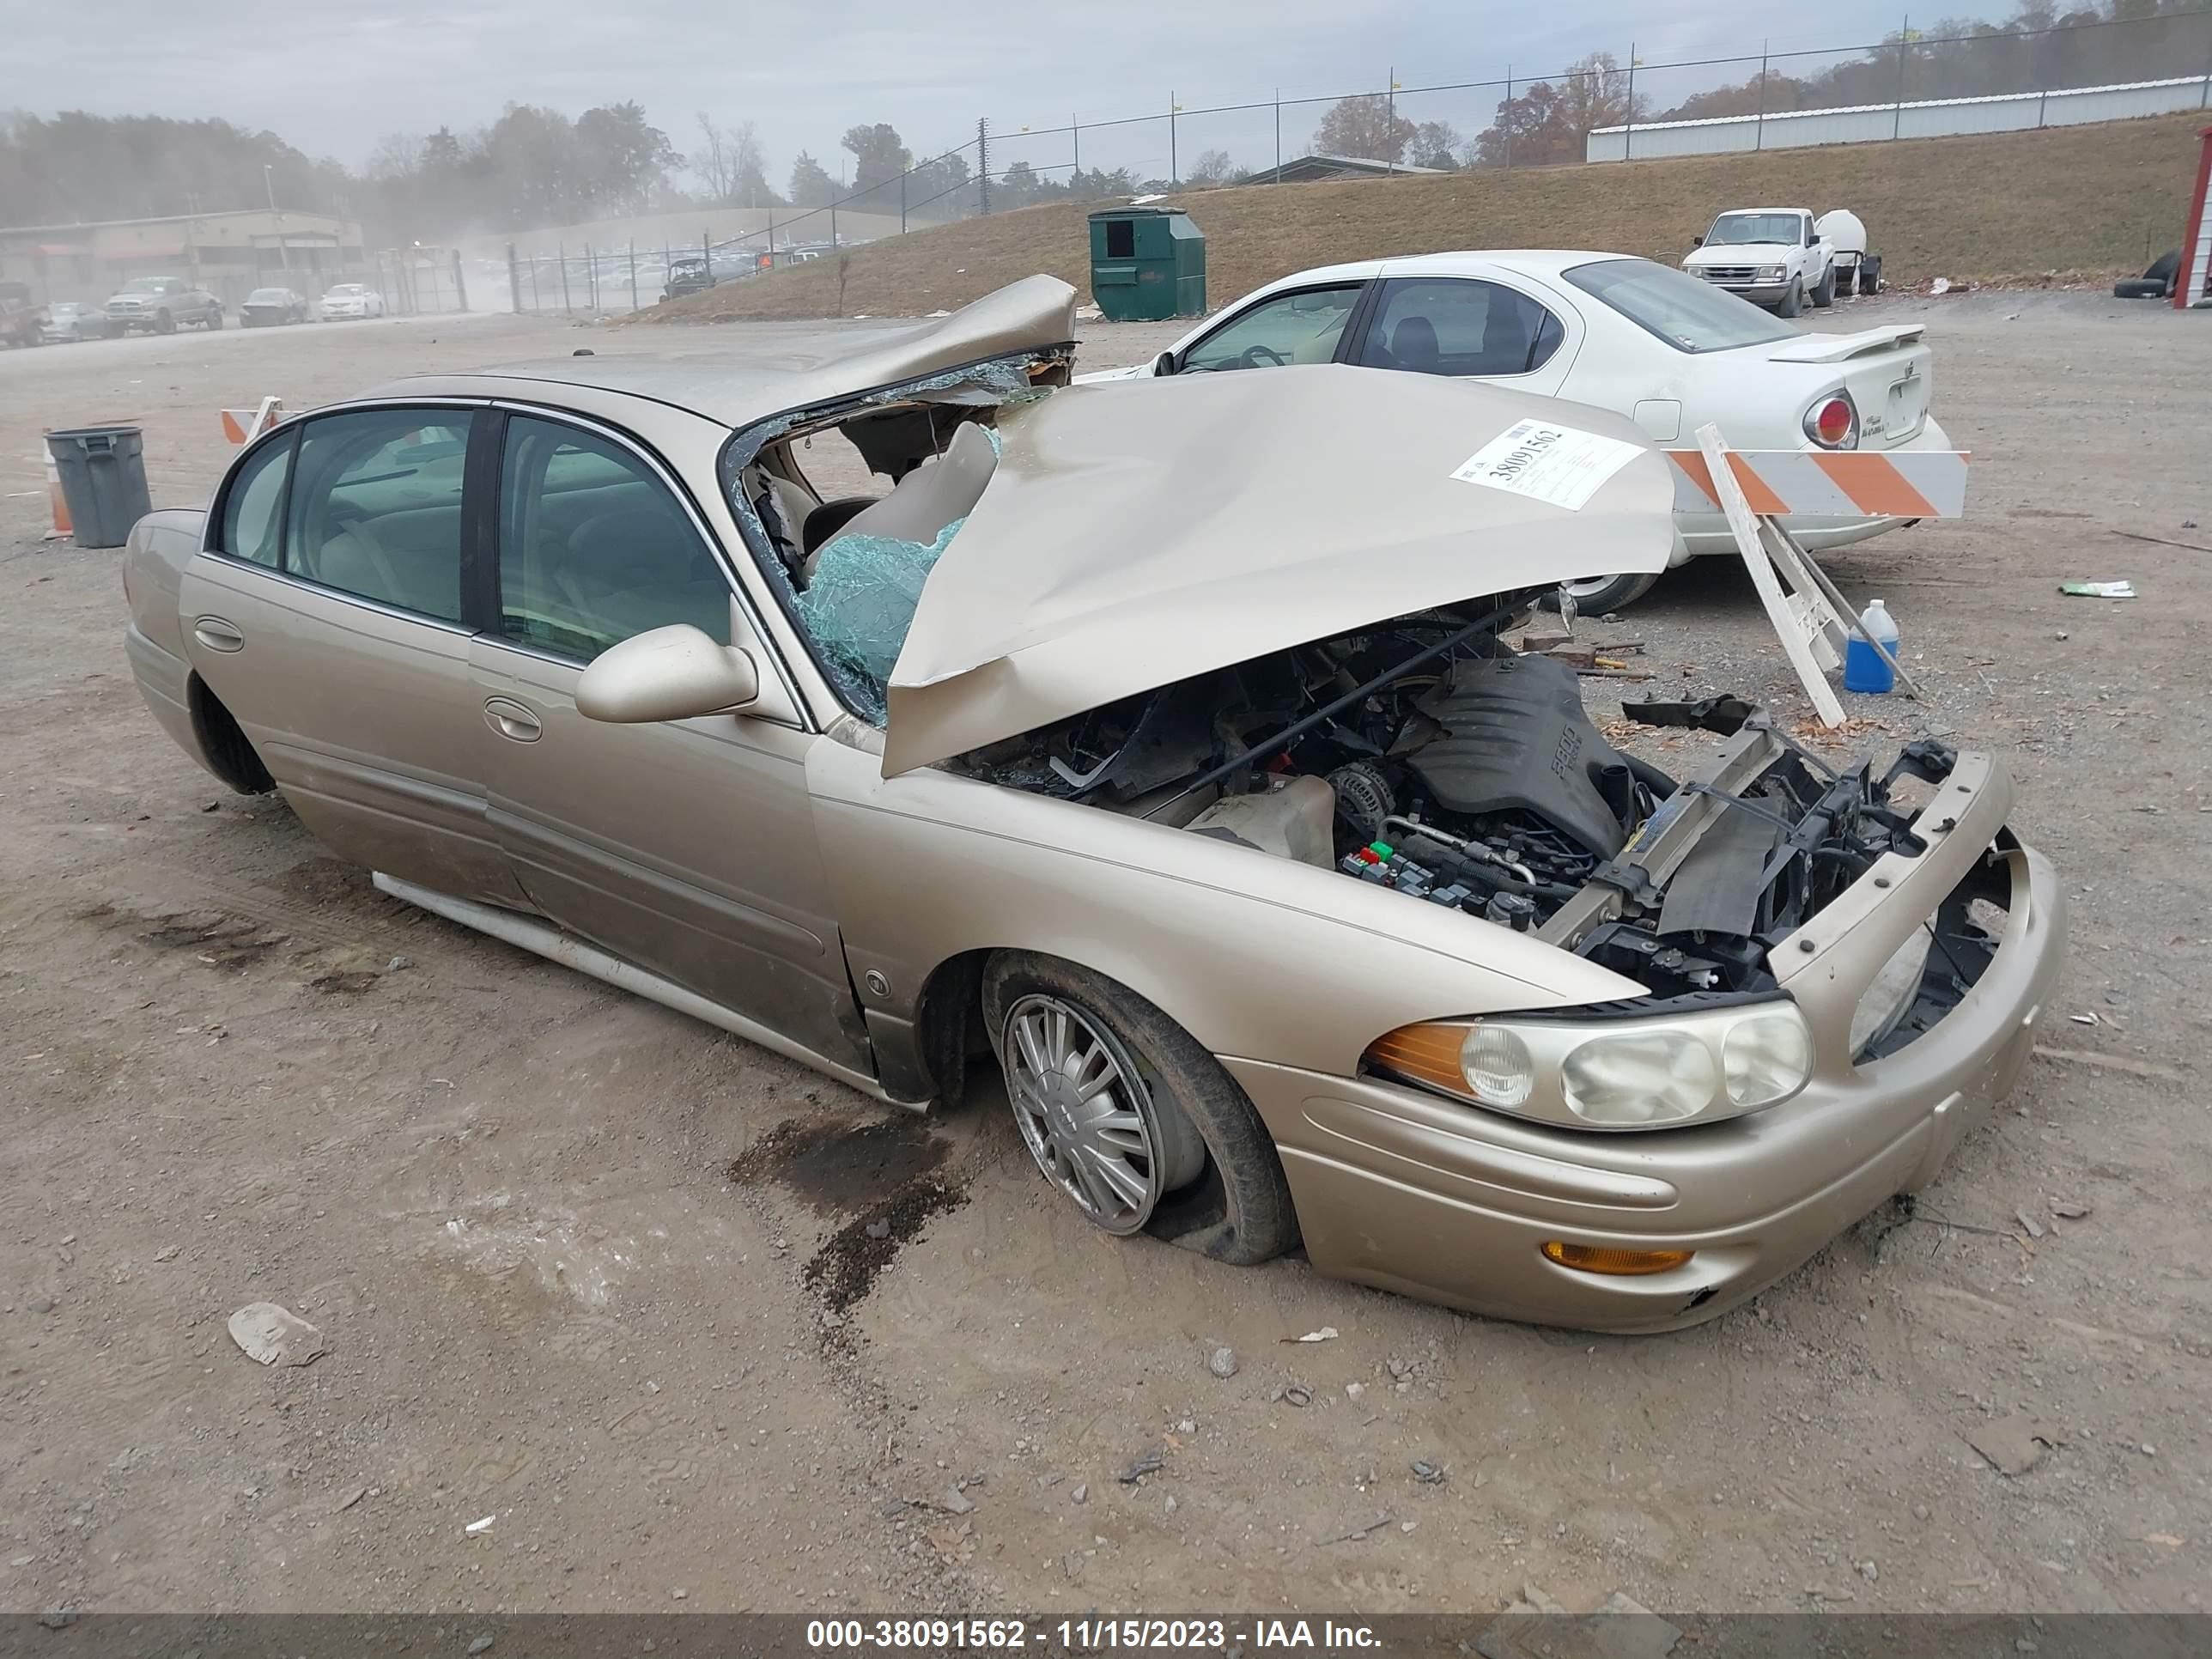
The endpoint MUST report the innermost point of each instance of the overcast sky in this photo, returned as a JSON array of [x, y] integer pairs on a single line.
[[336, 78]]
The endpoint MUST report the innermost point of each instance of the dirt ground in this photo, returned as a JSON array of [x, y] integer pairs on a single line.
[[697, 1330]]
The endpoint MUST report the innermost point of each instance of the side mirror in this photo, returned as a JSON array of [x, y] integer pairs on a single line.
[[1164, 363], [1697, 241], [674, 673]]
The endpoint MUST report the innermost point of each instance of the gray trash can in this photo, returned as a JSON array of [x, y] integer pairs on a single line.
[[103, 481]]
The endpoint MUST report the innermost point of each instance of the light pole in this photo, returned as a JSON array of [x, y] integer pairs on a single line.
[[269, 185]]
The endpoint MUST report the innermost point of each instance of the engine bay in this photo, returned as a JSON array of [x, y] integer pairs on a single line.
[[1426, 757]]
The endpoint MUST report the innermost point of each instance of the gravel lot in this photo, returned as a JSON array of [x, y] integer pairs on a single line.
[[579, 1260]]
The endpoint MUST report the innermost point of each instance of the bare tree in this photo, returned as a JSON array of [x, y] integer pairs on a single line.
[[1437, 144], [732, 165], [1365, 125], [716, 160], [1213, 167]]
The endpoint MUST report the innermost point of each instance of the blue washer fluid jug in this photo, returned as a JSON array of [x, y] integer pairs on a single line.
[[1863, 669]]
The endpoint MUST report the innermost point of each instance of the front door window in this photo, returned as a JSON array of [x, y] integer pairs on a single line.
[[1303, 327], [593, 547]]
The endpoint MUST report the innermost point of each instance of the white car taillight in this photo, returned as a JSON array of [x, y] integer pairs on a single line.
[[1833, 422]]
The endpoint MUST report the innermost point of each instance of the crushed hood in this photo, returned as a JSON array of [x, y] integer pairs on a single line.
[[1137, 532]]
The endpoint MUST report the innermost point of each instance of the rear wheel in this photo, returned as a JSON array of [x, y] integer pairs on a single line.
[[1129, 1118], [1825, 296], [215, 319], [1869, 275], [227, 747], [1595, 596]]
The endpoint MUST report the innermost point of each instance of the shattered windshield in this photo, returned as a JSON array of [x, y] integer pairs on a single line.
[[858, 510]]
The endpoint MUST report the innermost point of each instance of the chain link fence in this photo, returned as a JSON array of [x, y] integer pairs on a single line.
[[1522, 117]]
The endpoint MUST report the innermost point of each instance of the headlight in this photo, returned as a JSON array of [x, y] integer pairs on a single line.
[[1652, 1071], [1767, 274]]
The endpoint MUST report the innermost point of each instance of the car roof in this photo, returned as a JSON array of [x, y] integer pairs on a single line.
[[1456, 262], [737, 385], [1536, 261]]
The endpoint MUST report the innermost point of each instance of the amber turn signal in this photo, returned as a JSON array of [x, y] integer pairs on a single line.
[[1427, 1053], [1604, 1259]]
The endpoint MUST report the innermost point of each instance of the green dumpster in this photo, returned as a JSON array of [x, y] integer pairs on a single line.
[[1147, 264]]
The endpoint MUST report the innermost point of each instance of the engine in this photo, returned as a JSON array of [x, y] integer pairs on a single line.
[[1494, 795], [1466, 776]]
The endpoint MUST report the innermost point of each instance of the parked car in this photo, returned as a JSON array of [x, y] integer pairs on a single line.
[[160, 305], [1166, 745], [22, 318], [70, 320], [351, 300], [270, 307], [1663, 348], [1772, 257]]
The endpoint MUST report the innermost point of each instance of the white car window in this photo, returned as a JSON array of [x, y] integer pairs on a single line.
[[1292, 328], [1688, 315], [1458, 325]]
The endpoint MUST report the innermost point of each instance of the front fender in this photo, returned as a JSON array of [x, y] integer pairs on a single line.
[[1255, 955]]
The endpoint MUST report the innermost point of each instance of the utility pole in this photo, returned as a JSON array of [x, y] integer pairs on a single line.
[[269, 185], [1759, 141], [1278, 134], [1509, 117], [1076, 127], [1175, 168], [1390, 122], [1903, 45], [1628, 128], [982, 164]]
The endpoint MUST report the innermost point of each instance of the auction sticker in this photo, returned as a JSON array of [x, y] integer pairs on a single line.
[[1561, 464]]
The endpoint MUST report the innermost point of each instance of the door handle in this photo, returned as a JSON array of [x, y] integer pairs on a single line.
[[511, 719], [218, 634]]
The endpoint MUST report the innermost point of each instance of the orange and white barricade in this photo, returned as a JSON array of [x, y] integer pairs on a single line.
[[241, 426], [1757, 488], [1830, 483]]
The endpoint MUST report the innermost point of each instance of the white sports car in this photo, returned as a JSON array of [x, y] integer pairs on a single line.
[[1642, 339], [351, 300]]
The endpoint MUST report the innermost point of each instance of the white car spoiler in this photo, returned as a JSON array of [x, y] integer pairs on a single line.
[[1840, 348]]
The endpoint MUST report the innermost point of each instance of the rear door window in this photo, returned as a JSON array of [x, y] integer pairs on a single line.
[[1459, 325], [254, 506], [376, 506]]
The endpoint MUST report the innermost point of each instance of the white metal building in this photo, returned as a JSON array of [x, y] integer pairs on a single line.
[[1927, 118]]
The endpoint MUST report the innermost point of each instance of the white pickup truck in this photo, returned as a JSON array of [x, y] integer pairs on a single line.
[[1773, 257]]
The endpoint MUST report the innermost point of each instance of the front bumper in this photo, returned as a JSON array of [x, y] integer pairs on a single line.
[[1760, 294], [1411, 1192]]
